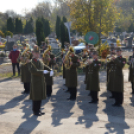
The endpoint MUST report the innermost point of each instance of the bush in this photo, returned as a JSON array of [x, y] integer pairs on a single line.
[[8, 33], [2, 54], [2, 34]]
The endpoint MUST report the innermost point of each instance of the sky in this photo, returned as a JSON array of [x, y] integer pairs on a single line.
[[19, 5]]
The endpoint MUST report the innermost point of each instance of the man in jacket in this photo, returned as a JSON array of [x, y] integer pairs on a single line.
[[92, 79], [25, 73], [131, 70], [38, 85], [71, 75], [14, 54], [115, 79]]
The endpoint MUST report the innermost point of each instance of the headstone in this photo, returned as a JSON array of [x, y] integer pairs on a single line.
[[9, 46]]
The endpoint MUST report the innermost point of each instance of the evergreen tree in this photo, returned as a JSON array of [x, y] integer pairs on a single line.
[[131, 28], [16, 25], [10, 25], [20, 27], [46, 26], [57, 29], [39, 31], [62, 31], [66, 30], [29, 27]]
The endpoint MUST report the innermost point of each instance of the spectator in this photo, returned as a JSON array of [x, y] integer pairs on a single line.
[[14, 56]]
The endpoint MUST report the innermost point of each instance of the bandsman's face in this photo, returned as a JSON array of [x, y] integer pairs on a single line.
[[118, 53], [95, 56], [36, 55]]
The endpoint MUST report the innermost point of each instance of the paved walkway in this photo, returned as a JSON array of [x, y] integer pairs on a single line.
[[62, 116]]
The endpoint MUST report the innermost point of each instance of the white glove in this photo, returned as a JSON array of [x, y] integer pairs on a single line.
[[51, 73], [45, 72]]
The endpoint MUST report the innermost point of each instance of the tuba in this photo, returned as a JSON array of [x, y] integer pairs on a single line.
[[26, 55], [46, 55]]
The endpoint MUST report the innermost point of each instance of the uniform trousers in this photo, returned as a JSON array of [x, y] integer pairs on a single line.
[[13, 66], [27, 87], [73, 92], [132, 86], [49, 90], [118, 98], [94, 96], [36, 106]]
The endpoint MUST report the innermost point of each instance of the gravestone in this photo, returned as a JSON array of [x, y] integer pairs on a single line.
[[9, 46]]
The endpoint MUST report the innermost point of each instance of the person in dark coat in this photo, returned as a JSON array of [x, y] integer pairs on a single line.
[[92, 79], [131, 70], [115, 79], [38, 85], [24, 71], [71, 74], [14, 56]]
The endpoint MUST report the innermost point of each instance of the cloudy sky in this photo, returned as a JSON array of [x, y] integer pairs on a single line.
[[19, 5]]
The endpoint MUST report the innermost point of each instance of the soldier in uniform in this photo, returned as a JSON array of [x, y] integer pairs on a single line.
[[38, 85], [71, 74], [24, 72], [131, 70], [115, 79], [49, 59], [92, 79], [110, 64]]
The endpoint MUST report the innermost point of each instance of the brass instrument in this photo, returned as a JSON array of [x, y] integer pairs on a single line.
[[68, 59], [46, 56], [25, 55]]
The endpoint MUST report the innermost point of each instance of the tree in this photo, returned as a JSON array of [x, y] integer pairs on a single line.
[[95, 15], [39, 31], [8, 33], [2, 34], [29, 27], [10, 25], [46, 26], [57, 28], [18, 26], [62, 31], [66, 30]]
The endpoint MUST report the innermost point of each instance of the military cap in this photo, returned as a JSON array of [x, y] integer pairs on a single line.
[[95, 53], [24, 44], [118, 49], [36, 49]]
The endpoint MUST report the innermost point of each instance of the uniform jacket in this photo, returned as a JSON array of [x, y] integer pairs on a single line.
[[115, 79], [131, 70], [92, 79], [71, 74], [38, 85], [24, 71], [48, 79]]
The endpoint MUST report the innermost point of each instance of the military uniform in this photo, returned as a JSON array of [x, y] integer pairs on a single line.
[[109, 66], [131, 72], [38, 85], [71, 77], [24, 72], [92, 79], [49, 80], [115, 79]]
